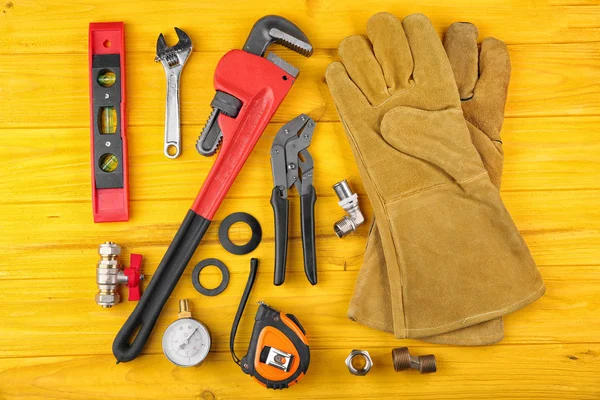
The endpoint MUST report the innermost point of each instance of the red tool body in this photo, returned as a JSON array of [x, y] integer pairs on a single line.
[[261, 86], [134, 277], [249, 88], [110, 190]]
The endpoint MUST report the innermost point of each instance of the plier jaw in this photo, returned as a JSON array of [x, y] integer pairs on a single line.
[[292, 165]]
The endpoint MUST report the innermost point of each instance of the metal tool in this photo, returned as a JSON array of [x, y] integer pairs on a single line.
[[260, 85], [292, 164], [186, 342], [109, 275], [359, 362], [349, 202], [278, 354], [402, 360], [108, 122], [267, 30], [173, 59]]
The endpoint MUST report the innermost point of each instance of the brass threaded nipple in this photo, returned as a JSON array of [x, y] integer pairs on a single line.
[[427, 364], [402, 361]]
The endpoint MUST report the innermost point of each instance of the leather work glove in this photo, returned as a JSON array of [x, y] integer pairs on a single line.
[[453, 256], [482, 81]]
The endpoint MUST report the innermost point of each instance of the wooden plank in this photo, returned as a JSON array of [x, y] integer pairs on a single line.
[[545, 152], [29, 26], [515, 372], [52, 165], [547, 80], [561, 228], [55, 317]]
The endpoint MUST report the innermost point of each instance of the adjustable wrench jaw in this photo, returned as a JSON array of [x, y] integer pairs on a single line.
[[173, 55]]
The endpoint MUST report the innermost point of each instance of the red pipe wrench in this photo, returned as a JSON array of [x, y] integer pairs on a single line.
[[249, 88]]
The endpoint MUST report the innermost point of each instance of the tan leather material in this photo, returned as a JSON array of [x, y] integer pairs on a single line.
[[449, 252], [461, 47]]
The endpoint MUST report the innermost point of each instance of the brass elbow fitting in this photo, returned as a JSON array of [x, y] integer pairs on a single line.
[[402, 360], [349, 202]]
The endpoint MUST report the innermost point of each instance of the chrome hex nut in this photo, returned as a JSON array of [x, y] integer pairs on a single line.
[[359, 362]]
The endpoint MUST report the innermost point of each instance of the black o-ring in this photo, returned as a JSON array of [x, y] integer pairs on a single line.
[[224, 233], [196, 277]]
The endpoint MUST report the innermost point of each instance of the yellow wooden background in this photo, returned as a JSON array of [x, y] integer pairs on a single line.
[[55, 342]]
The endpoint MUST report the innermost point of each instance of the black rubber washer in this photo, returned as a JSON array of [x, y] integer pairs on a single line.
[[196, 277], [224, 233]]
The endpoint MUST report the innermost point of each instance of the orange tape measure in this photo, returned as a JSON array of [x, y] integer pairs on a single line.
[[278, 354]]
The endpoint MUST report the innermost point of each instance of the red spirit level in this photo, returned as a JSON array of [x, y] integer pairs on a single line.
[[108, 135]]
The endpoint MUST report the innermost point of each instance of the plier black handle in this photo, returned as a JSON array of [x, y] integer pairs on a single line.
[[292, 164]]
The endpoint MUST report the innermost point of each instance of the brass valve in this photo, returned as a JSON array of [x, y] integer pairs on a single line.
[[109, 275]]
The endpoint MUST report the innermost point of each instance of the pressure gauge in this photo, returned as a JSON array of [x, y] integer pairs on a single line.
[[186, 341]]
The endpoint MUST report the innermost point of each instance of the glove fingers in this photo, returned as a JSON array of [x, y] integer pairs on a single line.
[[486, 109], [362, 66], [492, 88], [346, 94], [391, 49], [460, 43], [430, 61]]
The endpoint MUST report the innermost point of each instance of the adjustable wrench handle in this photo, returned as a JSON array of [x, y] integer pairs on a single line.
[[172, 147]]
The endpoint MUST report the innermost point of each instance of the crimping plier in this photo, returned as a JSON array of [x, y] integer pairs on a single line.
[[292, 164]]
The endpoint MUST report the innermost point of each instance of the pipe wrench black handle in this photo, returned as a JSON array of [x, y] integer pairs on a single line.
[[307, 211], [134, 334], [281, 208]]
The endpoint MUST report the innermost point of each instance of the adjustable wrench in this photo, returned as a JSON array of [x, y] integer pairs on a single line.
[[173, 58], [250, 88]]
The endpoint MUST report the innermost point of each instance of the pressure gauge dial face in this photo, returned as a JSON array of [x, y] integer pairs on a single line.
[[186, 342]]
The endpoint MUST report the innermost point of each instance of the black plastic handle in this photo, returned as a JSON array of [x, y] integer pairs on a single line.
[[281, 215], [128, 345], [307, 210]]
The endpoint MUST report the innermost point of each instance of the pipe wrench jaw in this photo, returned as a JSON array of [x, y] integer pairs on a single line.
[[266, 31]]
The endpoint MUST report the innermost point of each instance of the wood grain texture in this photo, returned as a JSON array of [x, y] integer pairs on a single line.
[[547, 80], [55, 342]]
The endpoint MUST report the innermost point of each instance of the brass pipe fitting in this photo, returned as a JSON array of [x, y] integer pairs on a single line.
[[349, 202], [402, 360], [109, 276]]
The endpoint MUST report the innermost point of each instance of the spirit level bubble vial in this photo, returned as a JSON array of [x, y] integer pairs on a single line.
[[108, 122]]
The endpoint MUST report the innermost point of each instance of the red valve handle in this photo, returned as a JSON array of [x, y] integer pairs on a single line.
[[133, 277]]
